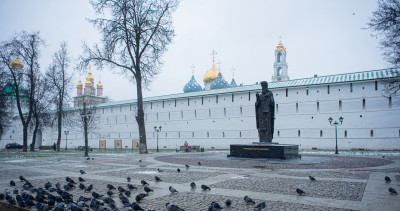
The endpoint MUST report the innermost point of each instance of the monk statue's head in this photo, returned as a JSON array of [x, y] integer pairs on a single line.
[[264, 87]]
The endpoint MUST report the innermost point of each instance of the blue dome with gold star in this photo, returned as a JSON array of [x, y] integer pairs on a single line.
[[219, 82], [192, 86], [233, 83]]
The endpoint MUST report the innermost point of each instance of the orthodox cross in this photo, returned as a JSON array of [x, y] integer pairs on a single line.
[[280, 38], [192, 68], [213, 54], [219, 65], [233, 72]]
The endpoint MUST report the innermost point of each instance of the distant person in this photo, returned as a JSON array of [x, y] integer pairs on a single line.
[[186, 146], [54, 146]]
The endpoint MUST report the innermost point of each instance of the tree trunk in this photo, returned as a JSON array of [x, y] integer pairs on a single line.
[[34, 134], [59, 128], [25, 138], [140, 117], [85, 130]]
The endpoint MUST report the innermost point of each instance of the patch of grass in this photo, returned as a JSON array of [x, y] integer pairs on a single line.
[[4, 156]]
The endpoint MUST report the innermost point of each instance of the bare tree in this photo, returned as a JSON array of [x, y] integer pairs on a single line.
[[5, 102], [75, 119], [60, 82], [41, 107], [25, 45], [385, 23], [134, 39]]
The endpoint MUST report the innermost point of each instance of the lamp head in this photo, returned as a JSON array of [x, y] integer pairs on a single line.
[[155, 128], [160, 128], [330, 120], [341, 119]]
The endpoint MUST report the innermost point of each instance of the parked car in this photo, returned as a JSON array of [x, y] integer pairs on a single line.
[[14, 146]]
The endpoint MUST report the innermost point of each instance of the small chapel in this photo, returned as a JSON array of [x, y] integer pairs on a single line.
[[89, 94]]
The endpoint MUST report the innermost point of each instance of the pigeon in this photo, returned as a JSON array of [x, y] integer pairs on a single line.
[[159, 170], [121, 189], [70, 180], [22, 178], [131, 187], [136, 206], [47, 185], [58, 185], [67, 188], [144, 182], [110, 193], [140, 161], [12, 183], [15, 191], [110, 187], [172, 207], [205, 187], [82, 172], [157, 179], [387, 179], [89, 188], [300, 191], [198, 163], [248, 200], [392, 191], [128, 179], [172, 190], [81, 179], [192, 185], [260, 206], [228, 203], [138, 198], [312, 178], [87, 158], [187, 166], [216, 205], [2, 196], [82, 186], [178, 170], [147, 189], [128, 193], [95, 195]]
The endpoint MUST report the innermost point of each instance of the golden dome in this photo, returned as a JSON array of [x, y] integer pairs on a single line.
[[88, 83], [79, 85], [99, 85], [90, 77], [280, 48], [17, 64], [211, 74]]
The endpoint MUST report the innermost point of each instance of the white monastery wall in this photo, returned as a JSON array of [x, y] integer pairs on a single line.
[[216, 121]]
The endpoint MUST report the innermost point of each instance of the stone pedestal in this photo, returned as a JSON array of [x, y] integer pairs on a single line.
[[264, 150]]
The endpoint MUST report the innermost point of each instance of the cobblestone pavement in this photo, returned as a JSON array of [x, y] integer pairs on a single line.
[[342, 182]]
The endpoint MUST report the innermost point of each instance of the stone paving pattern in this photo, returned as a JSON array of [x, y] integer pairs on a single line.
[[343, 182]]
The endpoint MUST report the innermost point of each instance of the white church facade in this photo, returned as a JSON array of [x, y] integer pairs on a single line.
[[224, 114]]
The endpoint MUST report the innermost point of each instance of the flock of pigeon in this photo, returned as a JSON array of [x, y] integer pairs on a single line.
[[58, 198]]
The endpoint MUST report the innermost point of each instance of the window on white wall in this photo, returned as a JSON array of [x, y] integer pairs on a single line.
[[279, 133], [351, 87], [321, 133], [223, 134], [390, 102], [298, 133], [376, 85], [307, 90], [328, 89], [297, 107], [277, 108], [340, 105], [233, 97], [208, 134], [363, 104], [216, 99], [287, 92], [371, 133]]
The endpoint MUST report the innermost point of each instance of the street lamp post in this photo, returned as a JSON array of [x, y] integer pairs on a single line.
[[157, 130], [336, 124], [85, 118], [66, 138]]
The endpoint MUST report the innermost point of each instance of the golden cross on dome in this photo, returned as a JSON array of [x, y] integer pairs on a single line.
[[280, 38], [213, 54], [233, 72], [219, 65], [192, 68]]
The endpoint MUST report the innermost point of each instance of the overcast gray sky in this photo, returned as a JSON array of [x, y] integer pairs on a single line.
[[321, 37]]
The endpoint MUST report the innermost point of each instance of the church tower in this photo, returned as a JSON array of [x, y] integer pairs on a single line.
[[280, 65]]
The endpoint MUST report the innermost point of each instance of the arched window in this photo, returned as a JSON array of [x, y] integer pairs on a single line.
[[279, 71], [278, 59]]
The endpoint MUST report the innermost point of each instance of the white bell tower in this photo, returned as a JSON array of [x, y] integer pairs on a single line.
[[280, 65]]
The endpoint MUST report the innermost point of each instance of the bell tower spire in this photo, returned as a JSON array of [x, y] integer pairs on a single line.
[[280, 64]]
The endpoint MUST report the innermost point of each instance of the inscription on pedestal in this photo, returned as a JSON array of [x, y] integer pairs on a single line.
[[281, 151]]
